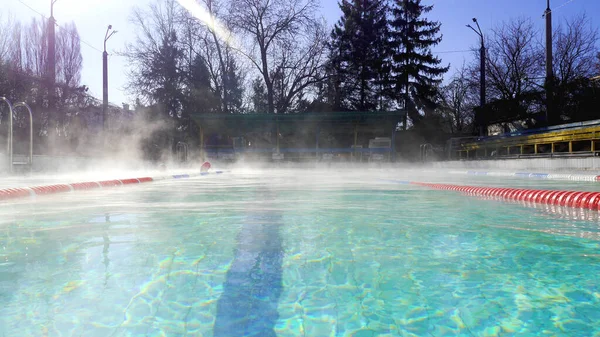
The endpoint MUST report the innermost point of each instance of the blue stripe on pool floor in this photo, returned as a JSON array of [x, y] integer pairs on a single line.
[[253, 285]]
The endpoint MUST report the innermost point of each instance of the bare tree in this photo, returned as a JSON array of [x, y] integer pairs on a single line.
[[16, 47], [36, 48], [515, 72], [458, 99], [514, 60], [575, 49], [285, 43], [6, 28], [209, 36], [68, 55], [574, 54]]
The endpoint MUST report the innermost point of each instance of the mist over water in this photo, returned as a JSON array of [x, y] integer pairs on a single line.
[[344, 249]]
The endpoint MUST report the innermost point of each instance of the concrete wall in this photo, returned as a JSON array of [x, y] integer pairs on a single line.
[[546, 164]]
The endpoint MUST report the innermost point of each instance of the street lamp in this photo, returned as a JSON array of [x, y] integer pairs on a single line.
[[105, 76], [482, 71]]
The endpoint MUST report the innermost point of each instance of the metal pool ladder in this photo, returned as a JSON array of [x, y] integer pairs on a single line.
[[425, 151], [11, 108], [182, 152]]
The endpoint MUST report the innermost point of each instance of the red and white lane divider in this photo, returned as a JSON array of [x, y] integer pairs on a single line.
[[576, 199], [22, 192], [534, 175]]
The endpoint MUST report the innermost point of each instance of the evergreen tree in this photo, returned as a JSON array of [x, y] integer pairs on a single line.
[[200, 96], [359, 56], [233, 87], [259, 96], [162, 80], [417, 72]]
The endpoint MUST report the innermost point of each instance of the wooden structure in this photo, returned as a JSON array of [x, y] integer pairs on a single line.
[[575, 139], [295, 136]]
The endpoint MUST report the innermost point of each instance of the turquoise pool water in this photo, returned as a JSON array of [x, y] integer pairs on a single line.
[[296, 253]]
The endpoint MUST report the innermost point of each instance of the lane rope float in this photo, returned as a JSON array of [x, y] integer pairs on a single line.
[[575, 199], [23, 192], [533, 175]]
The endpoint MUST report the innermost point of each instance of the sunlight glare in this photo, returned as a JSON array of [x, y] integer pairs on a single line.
[[200, 13]]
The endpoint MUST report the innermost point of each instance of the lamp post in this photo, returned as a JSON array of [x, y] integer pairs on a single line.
[[482, 72], [105, 76]]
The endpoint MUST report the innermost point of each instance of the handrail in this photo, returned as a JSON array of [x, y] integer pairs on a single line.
[[10, 133], [182, 151], [525, 132], [25, 105], [425, 149]]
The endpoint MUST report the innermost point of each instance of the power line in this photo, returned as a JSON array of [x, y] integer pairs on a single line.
[[451, 51], [44, 16], [558, 7], [564, 4], [26, 5]]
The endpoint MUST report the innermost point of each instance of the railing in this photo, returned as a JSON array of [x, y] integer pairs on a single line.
[[9, 141], [567, 140], [9, 138], [30, 161], [425, 151], [181, 150]]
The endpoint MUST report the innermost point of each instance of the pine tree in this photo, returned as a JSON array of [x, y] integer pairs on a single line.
[[259, 96], [164, 72], [233, 87], [417, 72], [200, 95], [359, 55]]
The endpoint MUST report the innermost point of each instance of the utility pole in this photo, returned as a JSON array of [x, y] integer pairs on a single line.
[[549, 70], [482, 127], [105, 78], [407, 77], [52, 61]]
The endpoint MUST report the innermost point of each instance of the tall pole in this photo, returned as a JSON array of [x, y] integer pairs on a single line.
[[406, 78], [483, 130], [51, 60], [105, 78], [104, 88], [549, 70], [482, 126]]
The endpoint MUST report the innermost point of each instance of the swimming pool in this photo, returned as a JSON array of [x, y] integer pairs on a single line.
[[296, 253]]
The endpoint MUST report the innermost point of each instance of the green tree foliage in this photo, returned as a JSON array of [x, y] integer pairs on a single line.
[[417, 73], [259, 99], [199, 96], [360, 55], [578, 99], [233, 87]]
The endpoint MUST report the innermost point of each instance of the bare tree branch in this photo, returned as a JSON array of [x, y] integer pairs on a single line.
[[288, 44], [575, 48]]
